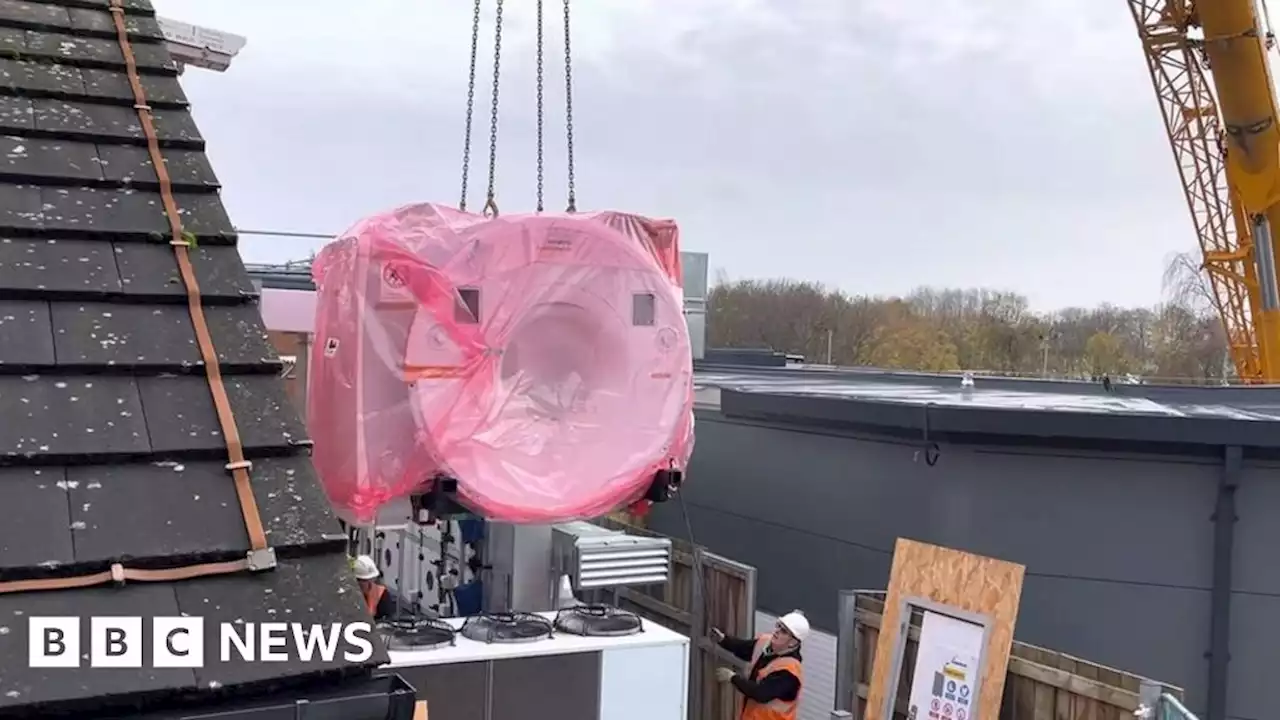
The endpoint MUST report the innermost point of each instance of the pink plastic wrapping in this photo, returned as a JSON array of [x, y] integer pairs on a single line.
[[560, 401]]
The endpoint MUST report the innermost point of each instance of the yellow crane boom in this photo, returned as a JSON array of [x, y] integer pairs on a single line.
[[1228, 153]]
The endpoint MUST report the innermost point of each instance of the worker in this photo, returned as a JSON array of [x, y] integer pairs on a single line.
[[380, 603], [771, 687]]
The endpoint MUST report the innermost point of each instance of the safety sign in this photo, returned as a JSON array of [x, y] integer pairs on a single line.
[[946, 668]]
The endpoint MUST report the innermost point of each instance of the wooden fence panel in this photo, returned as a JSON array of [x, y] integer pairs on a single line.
[[1041, 684], [725, 599]]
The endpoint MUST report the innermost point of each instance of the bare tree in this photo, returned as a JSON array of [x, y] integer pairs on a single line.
[[1186, 282]]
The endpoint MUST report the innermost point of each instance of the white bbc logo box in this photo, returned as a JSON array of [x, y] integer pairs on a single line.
[[179, 642], [115, 642]]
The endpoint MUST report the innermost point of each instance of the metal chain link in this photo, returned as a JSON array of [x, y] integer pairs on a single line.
[[471, 106], [568, 107], [491, 205], [541, 176]]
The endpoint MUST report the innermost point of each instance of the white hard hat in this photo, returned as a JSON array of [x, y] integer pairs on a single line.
[[796, 623], [365, 568]]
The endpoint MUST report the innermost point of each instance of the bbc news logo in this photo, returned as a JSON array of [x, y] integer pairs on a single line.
[[180, 642]]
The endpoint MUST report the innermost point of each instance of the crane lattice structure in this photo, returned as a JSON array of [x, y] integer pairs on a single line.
[[1177, 63]]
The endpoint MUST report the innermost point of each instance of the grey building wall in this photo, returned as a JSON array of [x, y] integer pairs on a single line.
[[1118, 548]]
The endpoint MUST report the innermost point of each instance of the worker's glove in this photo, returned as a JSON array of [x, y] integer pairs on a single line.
[[724, 674], [717, 635]]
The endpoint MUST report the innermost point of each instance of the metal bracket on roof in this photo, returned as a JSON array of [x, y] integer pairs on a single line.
[[289, 363], [262, 560]]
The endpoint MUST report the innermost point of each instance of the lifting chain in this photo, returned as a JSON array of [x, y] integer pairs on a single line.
[[568, 107], [491, 204], [471, 106], [541, 176]]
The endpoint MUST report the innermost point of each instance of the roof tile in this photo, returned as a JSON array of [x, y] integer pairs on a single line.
[[117, 212], [151, 270], [41, 533], [266, 419], [78, 270], [26, 324], [49, 159], [158, 336], [36, 13]]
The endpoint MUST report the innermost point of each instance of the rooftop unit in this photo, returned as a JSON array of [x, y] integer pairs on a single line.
[[595, 558], [538, 648]]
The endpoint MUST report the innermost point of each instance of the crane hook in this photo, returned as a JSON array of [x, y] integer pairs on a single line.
[[930, 449]]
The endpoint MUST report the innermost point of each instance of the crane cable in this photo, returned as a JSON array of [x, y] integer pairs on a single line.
[[568, 109], [471, 106], [539, 73], [491, 205]]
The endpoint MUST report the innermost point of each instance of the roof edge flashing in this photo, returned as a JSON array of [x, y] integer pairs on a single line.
[[902, 419]]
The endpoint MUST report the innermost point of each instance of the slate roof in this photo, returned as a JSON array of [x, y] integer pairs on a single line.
[[110, 448]]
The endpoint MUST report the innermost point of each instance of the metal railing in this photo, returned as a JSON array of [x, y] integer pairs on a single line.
[[1170, 708], [1156, 704]]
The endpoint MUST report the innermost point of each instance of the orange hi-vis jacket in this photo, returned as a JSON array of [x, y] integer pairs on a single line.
[[777, 709], [373, 596]]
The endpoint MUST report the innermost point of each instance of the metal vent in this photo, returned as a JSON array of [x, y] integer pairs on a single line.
[[594, 557]]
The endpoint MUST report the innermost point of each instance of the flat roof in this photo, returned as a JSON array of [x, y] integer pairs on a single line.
[[993, 406]]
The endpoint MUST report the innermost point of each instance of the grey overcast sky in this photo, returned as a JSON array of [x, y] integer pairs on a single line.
[[876, 145]]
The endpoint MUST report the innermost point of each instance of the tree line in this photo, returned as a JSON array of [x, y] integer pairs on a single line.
[[980, 330]]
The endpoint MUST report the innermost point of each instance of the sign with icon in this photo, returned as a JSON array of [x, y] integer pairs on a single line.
[[946, 668]]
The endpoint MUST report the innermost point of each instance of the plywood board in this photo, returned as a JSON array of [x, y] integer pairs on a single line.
[[961, 580]]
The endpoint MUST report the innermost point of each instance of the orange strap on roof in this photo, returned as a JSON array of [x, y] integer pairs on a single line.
[[120, 574], [260, 556]]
